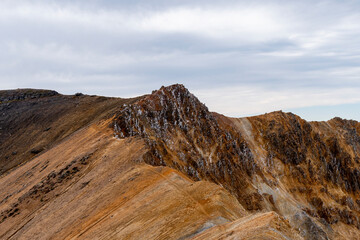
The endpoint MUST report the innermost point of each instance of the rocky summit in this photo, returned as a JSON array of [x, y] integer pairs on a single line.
[[162, 166]]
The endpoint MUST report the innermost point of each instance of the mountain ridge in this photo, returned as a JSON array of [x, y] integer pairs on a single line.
[[305, 172]]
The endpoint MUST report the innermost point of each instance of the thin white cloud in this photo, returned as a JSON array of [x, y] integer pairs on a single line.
[[236, 23], [255, 23]]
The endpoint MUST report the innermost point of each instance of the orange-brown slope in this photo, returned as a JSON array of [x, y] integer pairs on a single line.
[[94, 185], [31, 120]]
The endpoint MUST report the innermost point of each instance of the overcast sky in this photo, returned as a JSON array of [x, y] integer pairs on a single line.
[[239, 57]]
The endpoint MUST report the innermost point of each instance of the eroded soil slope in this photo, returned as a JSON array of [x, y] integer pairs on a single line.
[[94, 185]]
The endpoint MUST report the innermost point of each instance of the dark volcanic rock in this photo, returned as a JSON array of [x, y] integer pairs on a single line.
[[183, 134]]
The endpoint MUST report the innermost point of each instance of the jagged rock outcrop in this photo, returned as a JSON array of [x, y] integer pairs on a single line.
[[181, 133]]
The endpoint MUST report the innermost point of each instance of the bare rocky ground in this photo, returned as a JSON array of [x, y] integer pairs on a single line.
[[162, 166]]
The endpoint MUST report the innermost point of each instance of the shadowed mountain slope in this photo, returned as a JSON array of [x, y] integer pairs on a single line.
[[162, 166], [32, 120]]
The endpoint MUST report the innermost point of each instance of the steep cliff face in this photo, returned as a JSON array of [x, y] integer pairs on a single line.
[[320, 162]]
